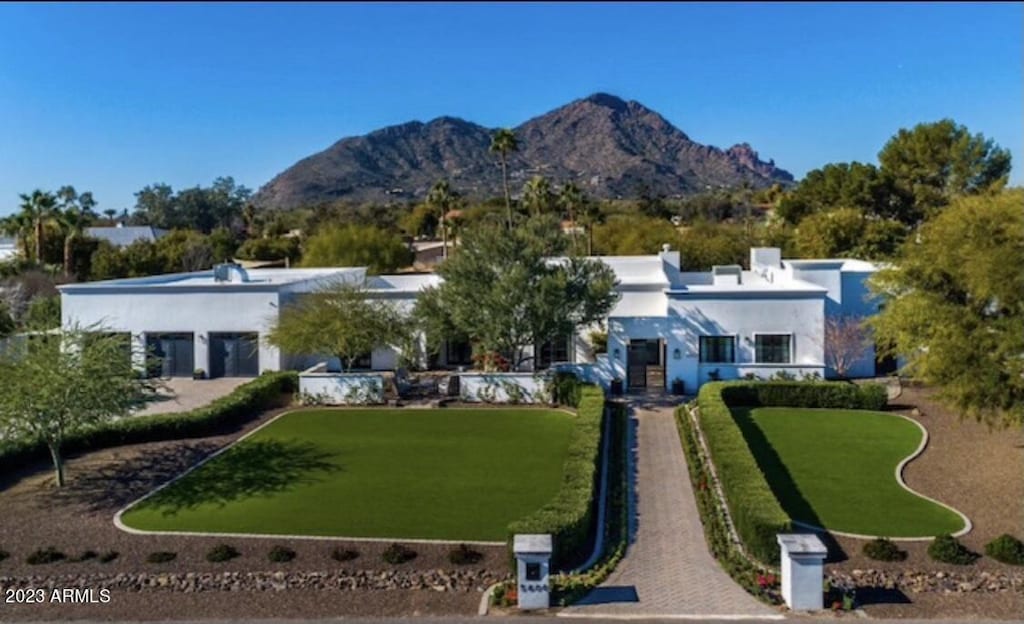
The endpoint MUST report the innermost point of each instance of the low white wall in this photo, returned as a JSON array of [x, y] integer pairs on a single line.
[[504, 388], [598, 372], [322, 388], [728, 372]]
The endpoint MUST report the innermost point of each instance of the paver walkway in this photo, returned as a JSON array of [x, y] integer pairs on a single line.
[[181, 394], [667, 570]]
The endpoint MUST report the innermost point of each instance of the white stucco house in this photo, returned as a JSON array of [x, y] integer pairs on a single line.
[[667, 324]]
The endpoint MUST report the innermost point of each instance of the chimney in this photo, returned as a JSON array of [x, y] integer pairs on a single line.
[[727, 274]]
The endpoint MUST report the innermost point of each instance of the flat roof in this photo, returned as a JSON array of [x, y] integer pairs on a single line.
[[204, 280]]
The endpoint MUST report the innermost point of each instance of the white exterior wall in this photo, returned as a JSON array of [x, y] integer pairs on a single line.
[[167, 311], [503, 387], [341, 388]]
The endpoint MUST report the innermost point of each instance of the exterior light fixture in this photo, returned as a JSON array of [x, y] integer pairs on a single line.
[[676, 354], [616, 353]]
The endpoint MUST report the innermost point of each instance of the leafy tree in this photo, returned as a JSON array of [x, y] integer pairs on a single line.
[[56, 386], [74, 213], [355, 245], [706, 244], [270, 249], [848, 233], [504, 293], [421, 221], [200, 208], [339, 320], [935, 162], [503, 143], [442, 199], [627, 235], [954, 306], [848, 185], [107, 262], [223, 244], [43, 313]]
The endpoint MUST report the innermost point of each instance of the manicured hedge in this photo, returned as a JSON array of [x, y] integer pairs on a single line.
[[569, 517], [756, 512], [242, 405]]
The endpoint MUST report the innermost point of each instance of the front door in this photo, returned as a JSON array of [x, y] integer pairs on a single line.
[[645, 364], [234, 355], [171, 355]]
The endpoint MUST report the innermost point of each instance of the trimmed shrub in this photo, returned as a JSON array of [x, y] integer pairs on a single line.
[[221, 553], [281, 554], [947, 549], [161, 556], [826, 394], [108, 556], [569, 516], [397, 554], [44, 556], [84, 556], [344, 554], [566, 388], [882, 549], [464, 555], [1007, 549]]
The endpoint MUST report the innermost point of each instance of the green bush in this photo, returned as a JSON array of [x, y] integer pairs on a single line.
[[161, 556], [947, 549], [1007, 549], [44, 556], [397, 554], [84, 556], [221, 553], [281, 554], [344, 554], [242, 405], [108, 556], [826, 394], [464, 555], [569, 516], [566, 389], [881, 549]]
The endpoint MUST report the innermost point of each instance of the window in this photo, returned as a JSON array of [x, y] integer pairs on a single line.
[[718, 349], [458, 353], [772, 348], [554, 351]]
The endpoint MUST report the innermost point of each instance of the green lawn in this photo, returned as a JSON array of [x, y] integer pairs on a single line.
[[453, 474], [836, 468]]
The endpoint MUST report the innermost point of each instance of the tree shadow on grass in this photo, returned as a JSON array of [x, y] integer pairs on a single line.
[[251, 469], [781, 482]]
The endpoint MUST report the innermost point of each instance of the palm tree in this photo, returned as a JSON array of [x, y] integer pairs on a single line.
[[38, 208], [570, 198], [73, 214], [443, 199], [109, 213], [503, 143], [590, 214], [537, 195]]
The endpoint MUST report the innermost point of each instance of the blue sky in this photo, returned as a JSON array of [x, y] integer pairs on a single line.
[[111, 98]]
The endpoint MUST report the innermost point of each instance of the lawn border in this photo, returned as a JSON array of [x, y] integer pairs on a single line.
[[119, 523], [968, 526]]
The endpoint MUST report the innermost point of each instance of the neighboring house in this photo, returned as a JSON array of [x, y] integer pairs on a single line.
[[8, 249], [667, 324], [122, 235]]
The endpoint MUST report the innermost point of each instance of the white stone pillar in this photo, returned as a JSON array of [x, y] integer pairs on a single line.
[[533, 558], [803, 558]]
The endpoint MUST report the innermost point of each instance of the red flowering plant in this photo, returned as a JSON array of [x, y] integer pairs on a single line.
[[491, 361]]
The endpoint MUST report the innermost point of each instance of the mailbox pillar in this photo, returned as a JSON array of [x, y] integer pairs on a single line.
[[533, 559], [803, 558]]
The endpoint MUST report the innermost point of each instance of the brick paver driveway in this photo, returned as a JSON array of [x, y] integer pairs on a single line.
[[667, 570]]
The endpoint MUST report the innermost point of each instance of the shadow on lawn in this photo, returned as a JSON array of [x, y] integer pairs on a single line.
[[781, 481], [254, 468]]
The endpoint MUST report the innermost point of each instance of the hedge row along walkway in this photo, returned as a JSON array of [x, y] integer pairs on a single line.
[[667, 570]]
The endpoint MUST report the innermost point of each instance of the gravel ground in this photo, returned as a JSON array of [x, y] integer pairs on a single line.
[[977, 471], [80, 517]]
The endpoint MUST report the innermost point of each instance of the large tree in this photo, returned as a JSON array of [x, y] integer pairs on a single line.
[[339, 320], [442, 199], [954, 306], [537, 196], [356, 245], [935, 162], [38, 208], [848, 185], [75, 212], [55, 386], [505, 292], [503, 143]]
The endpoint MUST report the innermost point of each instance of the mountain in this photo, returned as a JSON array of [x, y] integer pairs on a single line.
[[608, 146]]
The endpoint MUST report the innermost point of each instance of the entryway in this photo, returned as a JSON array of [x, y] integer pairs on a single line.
[[645, 364], [170, 355]]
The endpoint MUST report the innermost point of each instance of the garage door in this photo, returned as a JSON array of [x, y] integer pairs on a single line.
[[170, 355], [234, 355]]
